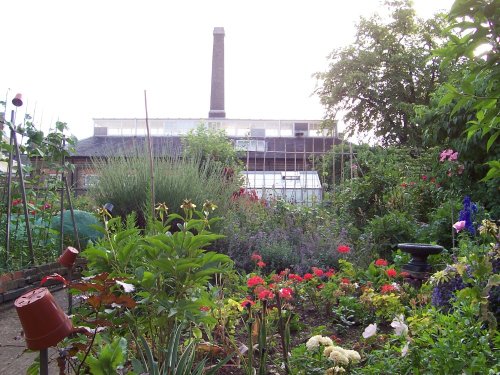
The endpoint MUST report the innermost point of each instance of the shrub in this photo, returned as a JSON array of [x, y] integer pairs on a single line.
[[387, 231]]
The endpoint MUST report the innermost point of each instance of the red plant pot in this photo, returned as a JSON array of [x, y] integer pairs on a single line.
[[44, 322], [67, 259]]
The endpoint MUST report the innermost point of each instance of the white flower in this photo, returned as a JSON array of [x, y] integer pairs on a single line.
[[338, 357], [335, 370], [126, 287], [327, 351], [313, 342], [398, 323], [356, 285], [404, 351], [370, 330], [396, 286], [353, 356], [325, 341]]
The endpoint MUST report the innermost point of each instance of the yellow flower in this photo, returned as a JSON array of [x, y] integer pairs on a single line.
[[209, 206], [162, 207], [188, 205]]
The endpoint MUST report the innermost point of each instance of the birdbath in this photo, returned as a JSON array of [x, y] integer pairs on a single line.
[[418, 266]]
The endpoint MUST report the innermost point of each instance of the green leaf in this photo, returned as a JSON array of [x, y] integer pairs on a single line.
[[492, 140]]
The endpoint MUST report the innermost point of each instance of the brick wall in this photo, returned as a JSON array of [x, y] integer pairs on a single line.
[[15, 284]]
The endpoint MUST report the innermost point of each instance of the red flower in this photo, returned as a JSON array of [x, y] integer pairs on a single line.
[[336, 339], [247, 303], [345, 280], [387, 288], [266, 294], [286, 293], [404, 274], [261, 264], [308, 276], [256, 257], [424, 177], [46, 206], [381, 262], [255, 280], [295, 277], [404, 184], [343, 249], [317, 271], [330, 273], [391, 272], [276, 278], [285, 272], [204, 308], [15, 202], [321, 286]]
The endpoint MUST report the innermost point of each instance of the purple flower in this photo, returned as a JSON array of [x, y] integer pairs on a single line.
[[468, 214]]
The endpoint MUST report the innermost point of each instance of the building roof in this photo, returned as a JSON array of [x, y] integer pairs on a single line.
[[126, 146], [257, 147]]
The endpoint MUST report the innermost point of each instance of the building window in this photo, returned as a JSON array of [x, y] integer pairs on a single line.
[[90, 180], [250, 145]]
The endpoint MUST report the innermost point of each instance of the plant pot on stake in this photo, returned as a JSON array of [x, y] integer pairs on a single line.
[[67, 259], [44, 322]]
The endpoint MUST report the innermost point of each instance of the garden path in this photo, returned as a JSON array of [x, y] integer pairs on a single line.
[[14, 358]]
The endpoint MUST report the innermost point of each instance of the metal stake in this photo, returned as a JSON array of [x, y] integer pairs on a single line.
[[44, 362]]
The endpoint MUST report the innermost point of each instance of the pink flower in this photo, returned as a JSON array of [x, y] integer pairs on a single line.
[[343, 249], [261, 264], [255, 280], [445, 154], [381, 262], [459, 225], [256, 257], [453, 156], [424, 177]]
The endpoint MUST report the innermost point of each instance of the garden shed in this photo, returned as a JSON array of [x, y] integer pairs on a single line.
[[301, 187]]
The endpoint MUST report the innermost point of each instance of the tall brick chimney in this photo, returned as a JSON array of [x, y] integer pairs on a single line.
[[217, 93]]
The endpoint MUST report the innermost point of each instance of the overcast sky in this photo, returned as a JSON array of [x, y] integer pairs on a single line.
[[78, 60]]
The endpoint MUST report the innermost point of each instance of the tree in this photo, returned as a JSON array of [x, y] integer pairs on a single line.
[[210, 144], [378, 80], [474, 44]]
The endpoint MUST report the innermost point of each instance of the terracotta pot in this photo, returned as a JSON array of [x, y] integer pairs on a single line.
[[18, 100], [67, 259], [44, 322]]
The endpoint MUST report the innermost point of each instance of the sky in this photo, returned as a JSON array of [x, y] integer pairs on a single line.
[[78, 60]]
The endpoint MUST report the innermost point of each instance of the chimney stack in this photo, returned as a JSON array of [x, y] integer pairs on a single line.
[[217, 93]]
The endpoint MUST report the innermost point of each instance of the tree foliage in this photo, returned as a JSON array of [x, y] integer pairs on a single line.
[[474, 45], [203, 143], [378, 80]]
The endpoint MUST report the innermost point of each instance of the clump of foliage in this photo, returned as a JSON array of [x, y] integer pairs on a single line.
[[121, 178]]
